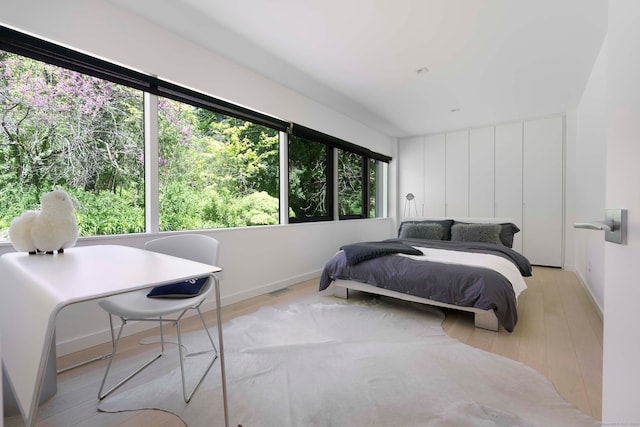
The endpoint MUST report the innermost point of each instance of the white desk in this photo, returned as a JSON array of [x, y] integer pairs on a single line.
[[36, 287]]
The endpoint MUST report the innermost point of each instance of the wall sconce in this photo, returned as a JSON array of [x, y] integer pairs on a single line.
[[407, 204]]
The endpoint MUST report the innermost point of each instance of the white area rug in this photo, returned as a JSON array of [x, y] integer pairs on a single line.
[[328, 363]]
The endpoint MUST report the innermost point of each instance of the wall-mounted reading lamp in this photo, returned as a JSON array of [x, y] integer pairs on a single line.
[[614, 225]]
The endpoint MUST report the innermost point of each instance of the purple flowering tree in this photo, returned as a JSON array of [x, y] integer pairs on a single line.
[[60, 127]]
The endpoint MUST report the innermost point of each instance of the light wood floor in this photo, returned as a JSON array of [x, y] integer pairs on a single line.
[[559, 333]]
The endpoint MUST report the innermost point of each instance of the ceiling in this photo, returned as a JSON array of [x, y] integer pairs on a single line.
[[488, 61]]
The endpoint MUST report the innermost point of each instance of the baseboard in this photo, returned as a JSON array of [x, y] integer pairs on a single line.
[[100, 337], [261, 290], [586, 287]]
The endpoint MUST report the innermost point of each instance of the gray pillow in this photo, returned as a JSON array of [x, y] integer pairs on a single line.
[[445, 223], [507, 231], [428, 231], [485, 233]]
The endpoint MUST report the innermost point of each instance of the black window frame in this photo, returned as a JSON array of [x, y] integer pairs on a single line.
[[23, 44], [337, 143]]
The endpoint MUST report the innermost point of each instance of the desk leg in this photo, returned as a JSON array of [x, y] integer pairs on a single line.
[[222, 368]]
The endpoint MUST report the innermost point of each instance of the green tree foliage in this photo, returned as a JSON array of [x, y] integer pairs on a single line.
[[246, 151], [109, 213], [373, 180], [215, 170], [63, 128], [350, 175], [307, 178]]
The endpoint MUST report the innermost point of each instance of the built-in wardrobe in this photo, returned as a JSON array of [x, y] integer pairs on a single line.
[[512, 170]]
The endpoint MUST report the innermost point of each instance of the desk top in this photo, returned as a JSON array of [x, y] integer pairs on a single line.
[[91, 272], [35, 287]]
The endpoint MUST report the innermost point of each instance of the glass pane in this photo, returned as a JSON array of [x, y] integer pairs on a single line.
[[350, 174], [215, 171], [373, 180], [308, 197], [63, 129]]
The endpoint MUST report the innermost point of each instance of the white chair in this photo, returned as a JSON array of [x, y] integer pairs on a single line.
[[136, 306]]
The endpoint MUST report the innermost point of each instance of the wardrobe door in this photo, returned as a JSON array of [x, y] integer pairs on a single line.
[[508, 176], [543, 191], [457, 174], [434, 176], [411, 175], [481, 172]]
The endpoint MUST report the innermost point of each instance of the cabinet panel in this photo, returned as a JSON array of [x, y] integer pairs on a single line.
[[508, 176], [508, 171], [457, 173], [481, 172], [434, 172], [411, 174], [543, 191]]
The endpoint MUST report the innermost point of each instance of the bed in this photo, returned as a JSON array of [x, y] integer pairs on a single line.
[[462, 263]]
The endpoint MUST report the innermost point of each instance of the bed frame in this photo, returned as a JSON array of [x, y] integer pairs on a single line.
[[485, 319]]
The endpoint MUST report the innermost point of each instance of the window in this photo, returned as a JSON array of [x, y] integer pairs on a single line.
[[310, 176], [360, 178], [61, 128], [350, 185], [76, 122], [215, 170], [375, 196], [375, 177]]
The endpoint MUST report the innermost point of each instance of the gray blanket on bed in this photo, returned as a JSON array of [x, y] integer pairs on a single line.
[[359, 252], [455, 284]]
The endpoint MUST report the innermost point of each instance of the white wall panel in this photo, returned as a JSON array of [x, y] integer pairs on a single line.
[[513, 170], [481, 172], [543, 191], [621, 374], [411, 175], [508, 176], [434, 180], [457, 173]]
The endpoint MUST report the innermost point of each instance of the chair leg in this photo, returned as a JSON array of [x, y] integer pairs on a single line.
[[115, 341], [93, 359], [161, 335], [188, 395]]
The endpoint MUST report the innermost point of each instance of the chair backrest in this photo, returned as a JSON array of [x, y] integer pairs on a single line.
[[196, 247]]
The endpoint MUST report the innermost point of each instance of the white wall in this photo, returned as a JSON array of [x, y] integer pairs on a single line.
[[256, 259], [571, 125], [589, 173], [621, 374]]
